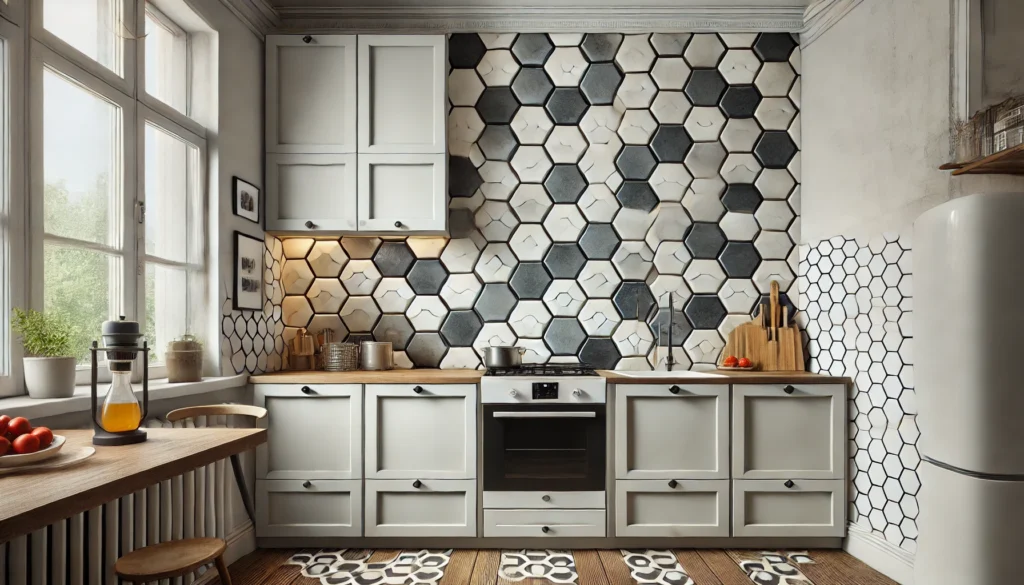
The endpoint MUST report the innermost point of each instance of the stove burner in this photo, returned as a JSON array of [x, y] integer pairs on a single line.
[[544, 370]]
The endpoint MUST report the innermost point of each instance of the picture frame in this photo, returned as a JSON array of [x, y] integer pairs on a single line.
[[246, 200], [248, 273]]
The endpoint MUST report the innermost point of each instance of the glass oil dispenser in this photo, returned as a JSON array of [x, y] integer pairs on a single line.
[[117, 420]]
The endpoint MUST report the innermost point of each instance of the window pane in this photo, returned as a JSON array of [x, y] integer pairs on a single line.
[[166, 62], [91, 26], [167, 194], [80, 168], [78, 283], [166, 307]]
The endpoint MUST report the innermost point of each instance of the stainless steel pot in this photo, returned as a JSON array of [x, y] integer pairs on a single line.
[[503, 356], [376, 355]]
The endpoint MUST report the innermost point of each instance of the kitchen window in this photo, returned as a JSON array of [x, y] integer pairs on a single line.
[[11, 228], [167, 60]]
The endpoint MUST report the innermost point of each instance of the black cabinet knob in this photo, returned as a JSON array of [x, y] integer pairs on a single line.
[[417, 484], [307, 484], [308, 390], [673, 483], [789, 483], [398, 224], [418, 389], [789, 389], [545, 529], [310, 225], [307, 39], [675, 389], [546, 498]]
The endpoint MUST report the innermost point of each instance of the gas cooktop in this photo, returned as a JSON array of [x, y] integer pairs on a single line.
[[547, 370]]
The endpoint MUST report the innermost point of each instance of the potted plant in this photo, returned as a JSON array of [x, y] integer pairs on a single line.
[[50, 359]]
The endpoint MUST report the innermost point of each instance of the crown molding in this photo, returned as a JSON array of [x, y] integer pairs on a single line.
[[823, 15], [258, 15]]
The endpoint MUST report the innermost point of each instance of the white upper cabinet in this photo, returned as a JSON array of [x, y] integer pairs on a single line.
[[402, 192], [402, 103], [311, 94], [311, 192]]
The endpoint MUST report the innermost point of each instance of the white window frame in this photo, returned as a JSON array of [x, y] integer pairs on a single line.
[[12, 157], [184, 120], [13, 10]]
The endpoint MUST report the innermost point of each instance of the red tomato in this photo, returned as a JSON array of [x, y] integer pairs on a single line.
[[4, 421], [19, 426], [744, 363], [44, 435], [4, 446], [730, 361], [26, 444]]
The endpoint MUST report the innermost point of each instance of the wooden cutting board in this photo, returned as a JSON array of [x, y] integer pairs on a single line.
[[771, 341]]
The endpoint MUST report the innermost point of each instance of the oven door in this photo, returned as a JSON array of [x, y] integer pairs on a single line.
[[558, 447]]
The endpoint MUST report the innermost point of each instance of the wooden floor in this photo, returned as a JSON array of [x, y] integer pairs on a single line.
[[594, 567]]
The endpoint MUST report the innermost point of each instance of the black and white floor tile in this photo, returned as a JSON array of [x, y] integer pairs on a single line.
[[556, 566], [422, 567], [655, 567], [770, 568]]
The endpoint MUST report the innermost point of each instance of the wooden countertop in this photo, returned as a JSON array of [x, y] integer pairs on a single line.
[[417, 376], [726, 377], [33, 500]]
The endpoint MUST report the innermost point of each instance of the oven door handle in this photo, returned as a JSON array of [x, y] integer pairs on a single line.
[[544, 414]]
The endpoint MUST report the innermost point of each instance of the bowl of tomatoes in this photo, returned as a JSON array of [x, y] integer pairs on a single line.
[[23, 444], [732, 362]]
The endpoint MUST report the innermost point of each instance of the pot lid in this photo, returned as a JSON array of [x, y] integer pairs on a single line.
[[120, 327]]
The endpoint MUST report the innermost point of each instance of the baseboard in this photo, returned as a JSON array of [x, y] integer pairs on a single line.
[[241, 542], [880, 554]]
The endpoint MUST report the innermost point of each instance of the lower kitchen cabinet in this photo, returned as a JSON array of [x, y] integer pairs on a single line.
[[544, 523], [796, 507], [308, 508], [584, 500], [428, 507], [672, 508]]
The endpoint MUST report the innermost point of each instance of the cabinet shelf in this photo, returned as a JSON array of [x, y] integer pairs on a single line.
[[1004, 162]]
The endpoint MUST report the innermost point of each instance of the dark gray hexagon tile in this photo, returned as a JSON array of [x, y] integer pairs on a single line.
[[637, 195], [671, 142], [566, 105], [601, 47], [705, 311], [774, 46], [497, 105], [461, 222], [565, 183], [463, 178], [635, 162], [532, 86], [740, 101], [497, 142], [532, 48], [600, 352], [599, 241], [495, 302], [659, 323], [739, 259], [600, 83], [705, 87], [633, 300], [775, 149], [465, 50], [705, 240], [461, 328], [564, 336], [394, 328], [742, 198], [530, 280], [564, 260], [427, 276], [426, 350], [393, 259]]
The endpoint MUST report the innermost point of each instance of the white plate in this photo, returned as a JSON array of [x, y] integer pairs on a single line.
[[29, 458]]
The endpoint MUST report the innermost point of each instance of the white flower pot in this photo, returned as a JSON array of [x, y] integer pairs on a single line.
[[50, 377]]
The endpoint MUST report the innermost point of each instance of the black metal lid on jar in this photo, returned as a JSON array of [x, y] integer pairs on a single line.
[[120, 333]]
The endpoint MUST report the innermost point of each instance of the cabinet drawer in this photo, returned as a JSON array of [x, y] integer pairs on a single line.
[[402, 193], [311, 192], [430, 507], [789, 431], [544, 500], [559, 523], [425, 434], [672, 508], [805, 507], [671, 431], [309, 508], [296, 412]]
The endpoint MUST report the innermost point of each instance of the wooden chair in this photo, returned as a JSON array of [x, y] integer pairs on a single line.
[[180, 557]]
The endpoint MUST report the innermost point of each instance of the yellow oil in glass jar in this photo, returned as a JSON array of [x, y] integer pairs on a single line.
[[121, 411]]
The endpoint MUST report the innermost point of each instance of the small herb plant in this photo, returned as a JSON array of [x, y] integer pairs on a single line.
[[44, 334]]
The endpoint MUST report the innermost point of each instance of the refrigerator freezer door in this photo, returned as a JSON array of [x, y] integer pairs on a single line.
[[968, 325]]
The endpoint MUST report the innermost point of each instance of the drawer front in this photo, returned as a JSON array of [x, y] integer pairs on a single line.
[[672, 508], [436, 507], [789, 431], [309, 508], [543, 500], [311, 192], [429, 434], [559, 523], [774, 508], [330, 412], [665, 431]]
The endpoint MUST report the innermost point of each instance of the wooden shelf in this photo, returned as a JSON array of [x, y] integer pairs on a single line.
[[1005, 162]]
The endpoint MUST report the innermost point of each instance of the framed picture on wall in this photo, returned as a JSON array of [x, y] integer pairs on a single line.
[[248, 273], [245, 200]]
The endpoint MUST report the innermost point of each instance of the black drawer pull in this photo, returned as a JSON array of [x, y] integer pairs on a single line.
[[417, 484], [675, 389], [789, 389], [310, 225], [308, 390], [546, 498], [398, 224], [673, 483], [545, 529], [307, 484], [307, 39], [789, 483], [418, 389]]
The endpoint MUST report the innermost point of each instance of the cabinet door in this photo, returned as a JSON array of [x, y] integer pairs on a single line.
[[420, 431], [799, 507], [789, 431], [544, 523], [309, 508], [331, 413], [402, 193], [671, 432], [311, 192], [311, 93], [403, 104], [672, 508], [428, 507]]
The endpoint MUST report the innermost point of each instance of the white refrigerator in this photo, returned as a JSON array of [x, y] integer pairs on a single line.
[[968, 353]]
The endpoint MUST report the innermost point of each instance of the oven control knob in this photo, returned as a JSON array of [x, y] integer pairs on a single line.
[[513, 393], [577, 393]]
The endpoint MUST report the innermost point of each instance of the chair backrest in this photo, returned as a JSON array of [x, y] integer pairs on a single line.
[[255, 412]]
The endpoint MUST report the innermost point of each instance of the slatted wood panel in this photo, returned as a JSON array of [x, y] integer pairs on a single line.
[[590, 568], [615, 568], [727, 571], [838, 568], [460, 568], [696, 568], [485, 570]]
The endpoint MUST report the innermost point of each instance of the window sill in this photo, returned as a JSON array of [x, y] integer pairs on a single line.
[[158, 390]]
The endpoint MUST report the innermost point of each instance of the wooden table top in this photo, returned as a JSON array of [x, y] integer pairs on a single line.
[[30, 501]]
